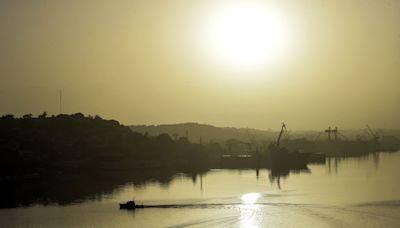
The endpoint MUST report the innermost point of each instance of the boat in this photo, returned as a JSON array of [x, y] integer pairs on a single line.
[[279, 157], [130, 205]]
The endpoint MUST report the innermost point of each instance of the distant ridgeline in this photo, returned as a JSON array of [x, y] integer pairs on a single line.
[[244, 140], [207, 133], [46, 146]]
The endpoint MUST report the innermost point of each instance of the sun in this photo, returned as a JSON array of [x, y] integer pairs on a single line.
[[247, 35]]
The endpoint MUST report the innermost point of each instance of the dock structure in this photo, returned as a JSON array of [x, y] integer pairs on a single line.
[[331, 132]]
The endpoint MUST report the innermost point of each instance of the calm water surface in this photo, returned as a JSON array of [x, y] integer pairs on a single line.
[[354, 192]]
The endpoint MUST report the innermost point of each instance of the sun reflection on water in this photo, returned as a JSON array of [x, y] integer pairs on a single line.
[[249, 211], [250, 198]]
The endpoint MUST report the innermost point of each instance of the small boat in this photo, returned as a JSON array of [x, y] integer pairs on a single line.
[[130, 205]]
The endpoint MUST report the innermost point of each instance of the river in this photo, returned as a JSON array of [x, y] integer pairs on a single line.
[[348, 192]]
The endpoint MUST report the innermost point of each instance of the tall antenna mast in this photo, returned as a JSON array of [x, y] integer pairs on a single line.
[[60, 101]]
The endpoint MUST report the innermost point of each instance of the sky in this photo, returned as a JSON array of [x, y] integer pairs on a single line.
[[309, 63]]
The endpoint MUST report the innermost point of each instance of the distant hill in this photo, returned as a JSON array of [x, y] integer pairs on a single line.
[[208, 133]]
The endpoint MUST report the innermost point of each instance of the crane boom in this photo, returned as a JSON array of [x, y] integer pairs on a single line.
[[283, 129], [372, 133]]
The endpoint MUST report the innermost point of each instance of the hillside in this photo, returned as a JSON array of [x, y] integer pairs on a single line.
[[208, 133], [70, 143]]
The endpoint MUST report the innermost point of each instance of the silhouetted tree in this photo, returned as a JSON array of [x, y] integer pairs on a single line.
[[43, 115], [27, 116]]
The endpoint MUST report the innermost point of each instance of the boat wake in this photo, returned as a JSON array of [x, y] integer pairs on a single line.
[[222, 205], [276, 214]]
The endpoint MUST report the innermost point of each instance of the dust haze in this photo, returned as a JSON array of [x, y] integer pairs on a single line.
[[142, 62]]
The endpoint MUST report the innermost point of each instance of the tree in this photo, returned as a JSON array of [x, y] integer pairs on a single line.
[[8, 117], [43, 115], [27, 116]]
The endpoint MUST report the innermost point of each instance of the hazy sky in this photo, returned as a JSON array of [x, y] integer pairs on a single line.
[[156, 61]]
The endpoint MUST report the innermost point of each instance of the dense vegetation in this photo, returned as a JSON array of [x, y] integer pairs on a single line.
[[42, 146]]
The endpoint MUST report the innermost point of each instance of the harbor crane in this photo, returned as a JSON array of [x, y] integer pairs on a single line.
[[283, 129], [375, 135]]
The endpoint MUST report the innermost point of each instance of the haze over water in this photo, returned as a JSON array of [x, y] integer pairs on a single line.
[[353, 192], [226, 63]]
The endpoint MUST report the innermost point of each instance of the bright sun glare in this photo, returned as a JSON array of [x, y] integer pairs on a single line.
[[247, 35], [250, 198]]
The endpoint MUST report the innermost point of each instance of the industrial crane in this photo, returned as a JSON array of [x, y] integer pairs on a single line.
[[374, 134], [283, 129]]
